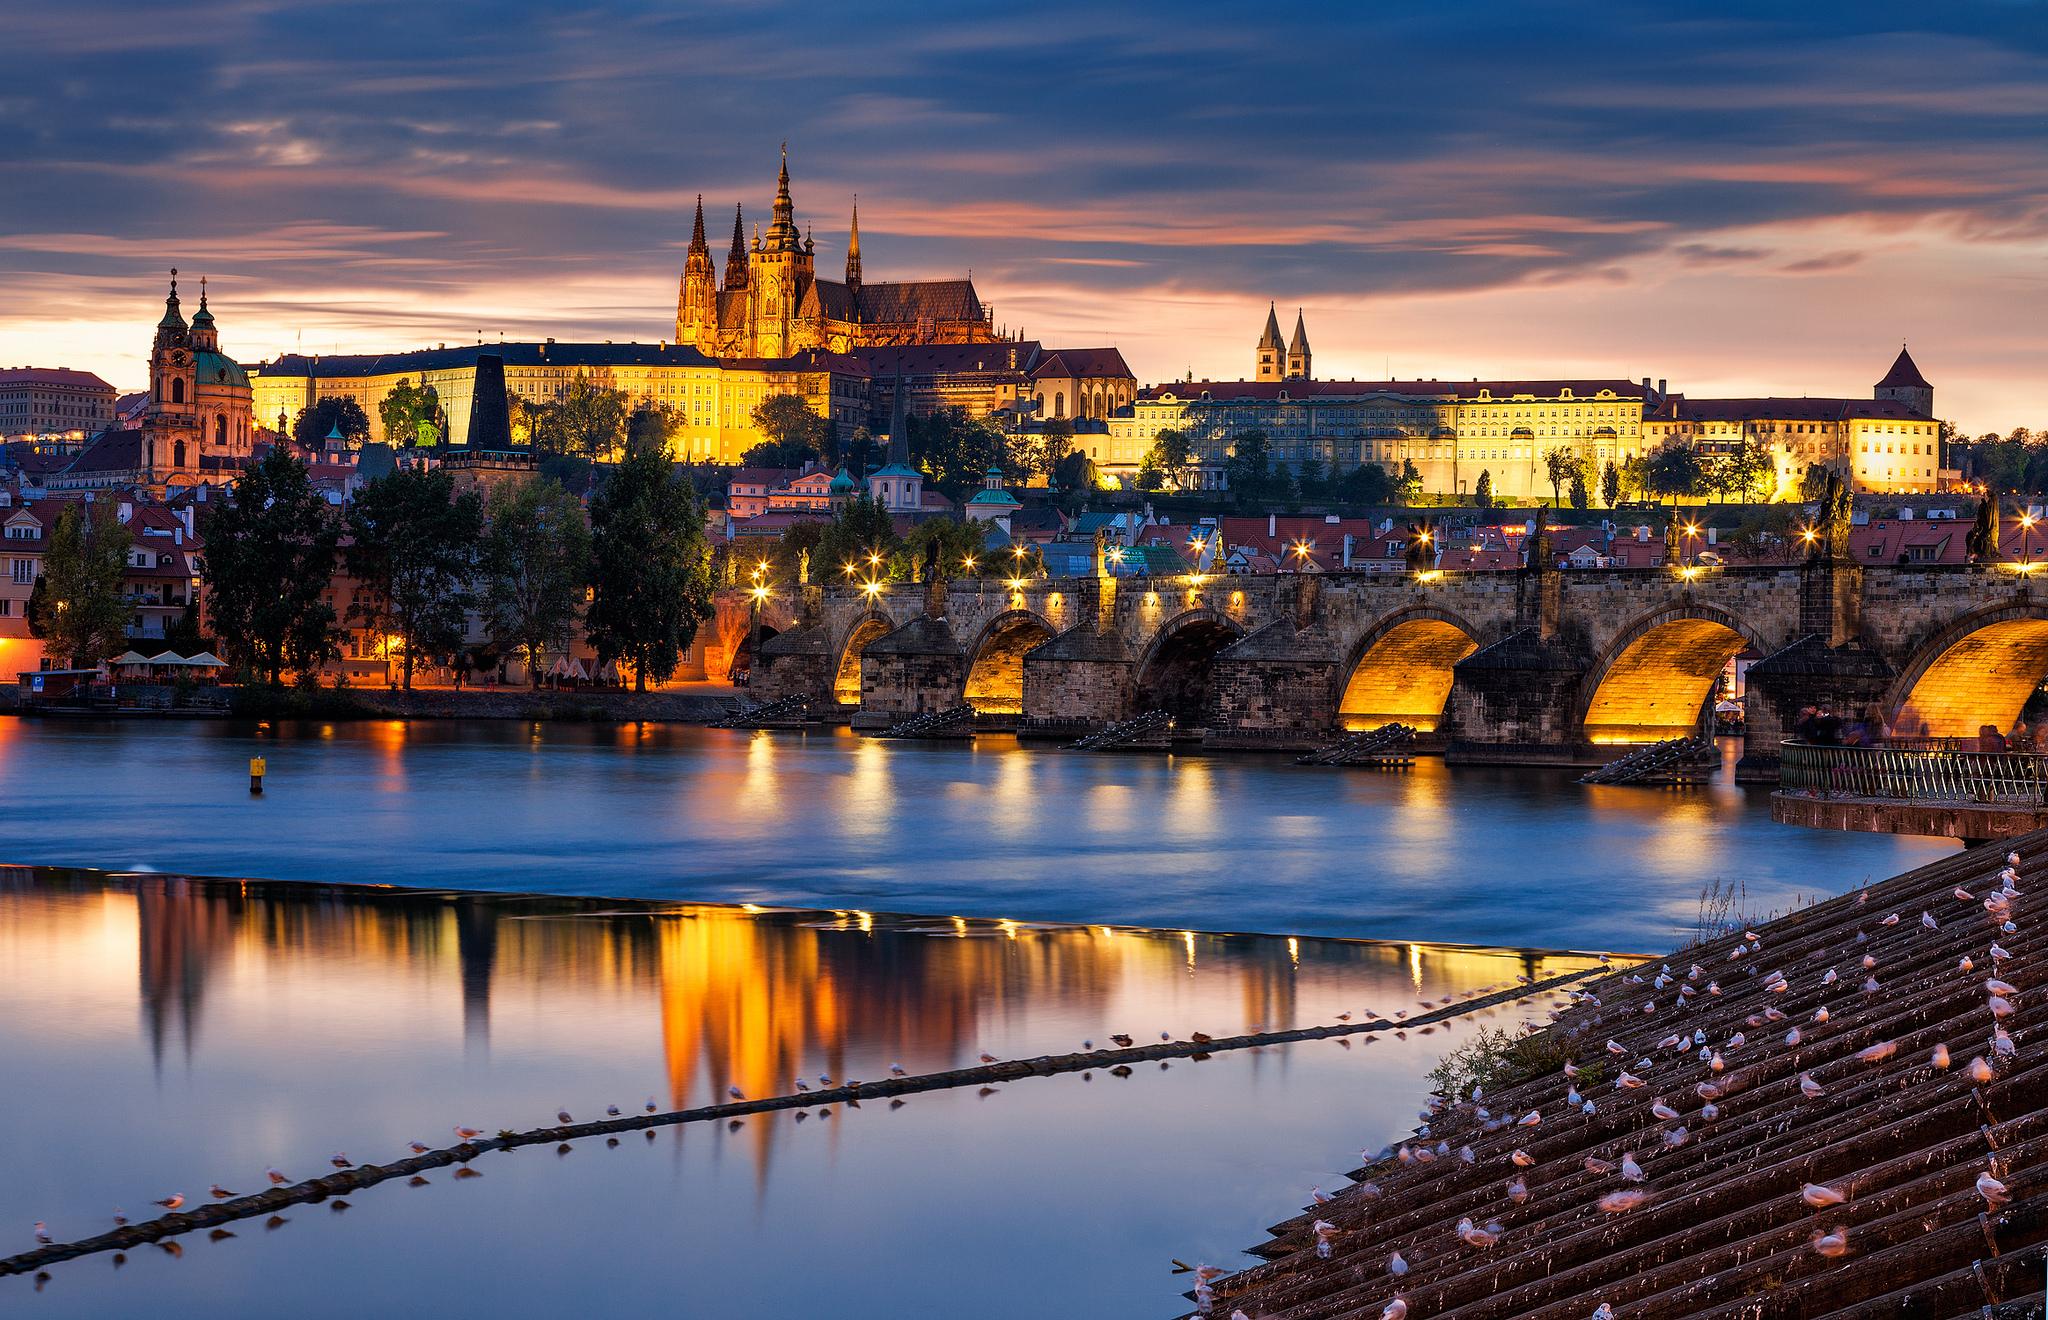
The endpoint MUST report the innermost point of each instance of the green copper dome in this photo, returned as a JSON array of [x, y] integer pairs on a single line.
[[841, 481], [219, 369]]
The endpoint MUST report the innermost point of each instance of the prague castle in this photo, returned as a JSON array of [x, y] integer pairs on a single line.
[[773, 305]]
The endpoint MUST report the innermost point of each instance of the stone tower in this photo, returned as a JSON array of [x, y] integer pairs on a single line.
[[170, 430], [1904, 384], [1297, 350], [697, 303], [1270, 364], [853, 249], [736, 255]]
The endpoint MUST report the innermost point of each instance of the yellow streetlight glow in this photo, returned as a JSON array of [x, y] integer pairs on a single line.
[[1016, 584], [871, 586], [875, 557], [968, 563], [760, 593]]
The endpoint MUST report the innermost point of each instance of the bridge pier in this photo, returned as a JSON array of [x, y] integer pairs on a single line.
[[1515, 703], [1809, 672], [1274, 689], [1080, 679], [919, 667]]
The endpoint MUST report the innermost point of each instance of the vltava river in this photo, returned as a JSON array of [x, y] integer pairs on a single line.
[[1497, 857]]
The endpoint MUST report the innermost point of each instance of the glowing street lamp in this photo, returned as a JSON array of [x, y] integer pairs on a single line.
[[2027, 521], [968, 563], [1301, 554]]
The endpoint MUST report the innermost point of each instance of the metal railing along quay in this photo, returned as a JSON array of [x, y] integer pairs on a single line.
[[1914, 774]]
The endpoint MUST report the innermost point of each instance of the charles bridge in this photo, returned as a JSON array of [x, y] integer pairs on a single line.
[[1532, 666]]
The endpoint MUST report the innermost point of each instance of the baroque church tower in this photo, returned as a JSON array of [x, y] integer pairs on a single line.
[[1270, 364], [170, 422], [1297, 350]]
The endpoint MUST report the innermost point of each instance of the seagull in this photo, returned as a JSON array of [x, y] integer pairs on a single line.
[[1992, 1190], [173, 1201], [1603, 1312], [43, 1233], [1927, 920], [1820, 1015], [278, 1179], [1663, 1111], [896, 1070], [1980, 1071], [417, 1147], [562, 1116], [339, 1159], [1518, 1190], [1395, 1310], [823, 1080], [650, 1104], [1891, 920], [467, 1133], [1522, 1158], [734, 1092], [1940, 1056], [1820, 1197], [801, 1085], [1631, 1170], [1396, 1266], [1809, 1088], [1319, 1196], [1325, 1232], [611, 1111], [1615, 1203], [219, 1192], [1830, 978], [119, 1218], [1832, 1244], [988, 1058], [1879, 1052], [1475, 1236]]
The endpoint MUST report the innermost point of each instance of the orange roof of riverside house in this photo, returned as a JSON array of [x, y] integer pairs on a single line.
[[1877, 1109]]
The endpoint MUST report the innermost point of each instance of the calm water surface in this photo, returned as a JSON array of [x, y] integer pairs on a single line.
[[1501, 857], [163, 1033]]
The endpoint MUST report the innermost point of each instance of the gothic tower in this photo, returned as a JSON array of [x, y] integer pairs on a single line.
[[1297, 350], [697, 303], [853, 249], [736, 256], [1269, 356], [779, 273], [1904, 384]]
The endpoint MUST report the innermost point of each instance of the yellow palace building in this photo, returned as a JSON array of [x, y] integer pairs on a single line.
[[713, 401]]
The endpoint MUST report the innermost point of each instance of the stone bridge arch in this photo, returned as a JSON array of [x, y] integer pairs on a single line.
[[847, 647], [1173, 672], [1657, 672], [1977, 669], [1400, 669], [995, 660]]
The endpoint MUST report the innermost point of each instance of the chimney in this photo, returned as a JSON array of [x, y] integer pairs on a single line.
[[1272, 524], [1646, 385], [1347, 549], [127, 511], [1663, 387]]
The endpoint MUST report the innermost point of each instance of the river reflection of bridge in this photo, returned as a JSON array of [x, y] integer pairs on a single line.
[[726, 996]]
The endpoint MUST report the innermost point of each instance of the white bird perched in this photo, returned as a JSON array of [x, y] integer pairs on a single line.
[[1980, 1071], [1870, 985], [1369, 1191], [650, 1106], [1395, 1310], [1588, 1108], [1603, 1312], [611, 1111], [896, 1070], [1518, 1190], [1965, 894], [1615, 1203], [1572, 1096], [1713, 987], [219, 1192], [43, 1233], [734, 1092], [1649, 1006], [1628, 1081], [467, 1133], [1671, 1042], [1992, 1190], [562, 1116], [802, 1085], [1751, 935], [1869, 961], [1820, 1015], [340, 1159], [277, 1178], [173, 1201], [1999, 1006], [1522, 1158], [1532, 1118], [1939, 1058], [1809, 1088], [1716, 1062], [1998, 987], [1631, 1170], [1709, 1112], [1465, 1154], [1965, 965], [1325, 1232], [1594, 1164], [1396, 1266], [1318, 1195], [1832, 1244], [1777, 985], [1707, 1091], [1831, 977], [2012, 859], [1998, 954], [1879, 1052], [2001, 1043], [1676, 1137], [1663, 1111], [1774, 1014], [1891, 920], [1571, 1069], [1736, 1041], [1927, 920], [1616, 1048], [1820, 1197], [1475, 1236], [1792, 1036]]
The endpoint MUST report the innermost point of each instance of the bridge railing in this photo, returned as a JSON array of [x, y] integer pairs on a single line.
[[1912, 774]]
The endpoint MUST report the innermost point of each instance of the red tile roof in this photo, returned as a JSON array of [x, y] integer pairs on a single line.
[[1905, 374], [1269, 390], [51, 376]]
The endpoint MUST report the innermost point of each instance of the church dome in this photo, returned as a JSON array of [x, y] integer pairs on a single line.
[[218, 369], [841, 481]]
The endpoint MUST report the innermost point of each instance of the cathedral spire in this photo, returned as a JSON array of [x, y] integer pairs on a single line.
[[782, 230], [697, 243], [174, 319], [853, 248], [736, 259]]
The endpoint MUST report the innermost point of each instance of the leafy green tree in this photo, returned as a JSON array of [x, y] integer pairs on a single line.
[[954, 543], [1635, 475], [1368, 483], [1408, 486], [1040, 453], [1610, 484], [861, 452], [861, 531], [185, 636], [269, 562], [78, 606], [1581, 497], [535, 568], [411, 415], [955, 450], [792, 434], [650, 566], [314, 424], [412, 551], [1249, 470], [1673, 470], [1172, 455], [587, 420], [796, 554], [1560, 465], [1482, 494]]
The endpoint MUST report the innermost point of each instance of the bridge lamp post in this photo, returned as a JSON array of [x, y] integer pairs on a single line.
[[760, 595], [1692, 532], [2027, 521], [1302, 550]]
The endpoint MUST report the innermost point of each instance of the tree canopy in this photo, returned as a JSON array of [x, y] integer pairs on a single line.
[[650, 566], [78, 606], [269, 560], [412, 415], [412, 551], [535, 565], [792, 434], [861, 531], [314, 424]]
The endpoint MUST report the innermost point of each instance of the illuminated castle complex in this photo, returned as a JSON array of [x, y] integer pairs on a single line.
[[772, 305]]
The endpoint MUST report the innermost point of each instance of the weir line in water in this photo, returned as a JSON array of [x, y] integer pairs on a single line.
[[232, 1209]]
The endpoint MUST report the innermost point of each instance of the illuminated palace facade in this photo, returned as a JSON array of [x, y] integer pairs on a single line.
[[772, 303], [1453, 431]]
